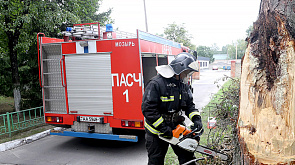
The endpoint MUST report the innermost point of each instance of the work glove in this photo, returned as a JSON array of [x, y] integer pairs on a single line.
[[197, 123], [178, 120], [166, 132], [197, 135]]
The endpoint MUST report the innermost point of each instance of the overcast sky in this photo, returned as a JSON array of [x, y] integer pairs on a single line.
[[208, 21]]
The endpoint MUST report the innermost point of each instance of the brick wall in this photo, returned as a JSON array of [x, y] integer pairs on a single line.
[[235, 69], [196, 75]]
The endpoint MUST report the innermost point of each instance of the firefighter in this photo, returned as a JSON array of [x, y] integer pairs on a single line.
[[165, 97]]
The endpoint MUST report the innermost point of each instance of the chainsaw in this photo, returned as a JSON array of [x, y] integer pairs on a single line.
[[186, 139]]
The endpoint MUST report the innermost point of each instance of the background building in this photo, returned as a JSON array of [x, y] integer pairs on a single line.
[[204, 62]]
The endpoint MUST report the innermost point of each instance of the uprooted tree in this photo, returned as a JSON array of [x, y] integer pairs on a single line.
[[267, 95]]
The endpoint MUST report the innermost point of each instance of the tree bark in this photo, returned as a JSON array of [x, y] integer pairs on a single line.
[[267, 95], [14, 71], [12, 28], [12, 42]]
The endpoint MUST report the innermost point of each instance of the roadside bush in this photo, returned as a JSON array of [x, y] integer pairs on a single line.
[[225, 108]]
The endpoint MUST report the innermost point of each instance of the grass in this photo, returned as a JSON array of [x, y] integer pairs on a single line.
[[6, 104], [206, 111], [26, 133], [171, 158]]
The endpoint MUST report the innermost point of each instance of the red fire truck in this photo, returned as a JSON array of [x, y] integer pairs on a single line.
[[93, 80]]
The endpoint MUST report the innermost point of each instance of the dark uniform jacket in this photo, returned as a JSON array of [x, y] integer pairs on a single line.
[[163, 98]]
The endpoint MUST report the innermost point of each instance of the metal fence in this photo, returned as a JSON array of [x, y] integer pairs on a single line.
[[17, 121]]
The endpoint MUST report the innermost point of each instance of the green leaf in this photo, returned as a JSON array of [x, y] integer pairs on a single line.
[[20, 23]]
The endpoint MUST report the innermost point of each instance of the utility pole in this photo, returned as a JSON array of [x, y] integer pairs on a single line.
[[146, 25], [236, 51]]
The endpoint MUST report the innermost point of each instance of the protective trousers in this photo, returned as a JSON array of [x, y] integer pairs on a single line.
[[157, 150]]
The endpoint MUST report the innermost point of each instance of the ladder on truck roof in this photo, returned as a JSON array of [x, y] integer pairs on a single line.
[[94, 31]]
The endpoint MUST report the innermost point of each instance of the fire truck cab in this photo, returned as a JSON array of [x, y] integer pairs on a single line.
[[93, 80]]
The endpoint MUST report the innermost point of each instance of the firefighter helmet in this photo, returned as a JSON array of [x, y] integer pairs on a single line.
[[182, 62]]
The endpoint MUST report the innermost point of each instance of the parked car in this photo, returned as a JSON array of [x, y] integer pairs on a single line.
[[214, 68]]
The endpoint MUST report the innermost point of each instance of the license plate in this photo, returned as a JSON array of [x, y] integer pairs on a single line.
[[91, 119]]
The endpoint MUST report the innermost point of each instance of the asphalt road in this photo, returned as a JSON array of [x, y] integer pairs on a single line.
[[60, 150], [206, 87]]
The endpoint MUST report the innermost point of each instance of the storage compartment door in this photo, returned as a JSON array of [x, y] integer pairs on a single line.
[[149, 62], [54, 93], [148, 66], [170, 58], [89, 83]]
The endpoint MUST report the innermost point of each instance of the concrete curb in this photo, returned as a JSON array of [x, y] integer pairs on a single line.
[[19, 142]]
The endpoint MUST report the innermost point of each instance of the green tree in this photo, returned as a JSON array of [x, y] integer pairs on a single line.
[[5, 74], [241, 46], [205, 51], [178, 33], [21, 21], [215, 48], [223, 50]]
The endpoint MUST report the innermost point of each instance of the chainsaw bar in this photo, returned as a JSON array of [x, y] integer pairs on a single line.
[[210, 152]]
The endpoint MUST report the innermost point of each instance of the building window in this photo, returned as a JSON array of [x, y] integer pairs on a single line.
[[201, 64]]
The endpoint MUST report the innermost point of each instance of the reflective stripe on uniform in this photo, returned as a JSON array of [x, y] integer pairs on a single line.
[[191, 115], [151, 129], [158, 122], [180, 97], [165, 99]]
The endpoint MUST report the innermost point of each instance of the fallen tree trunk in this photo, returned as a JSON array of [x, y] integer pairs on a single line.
[[267, 95]]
